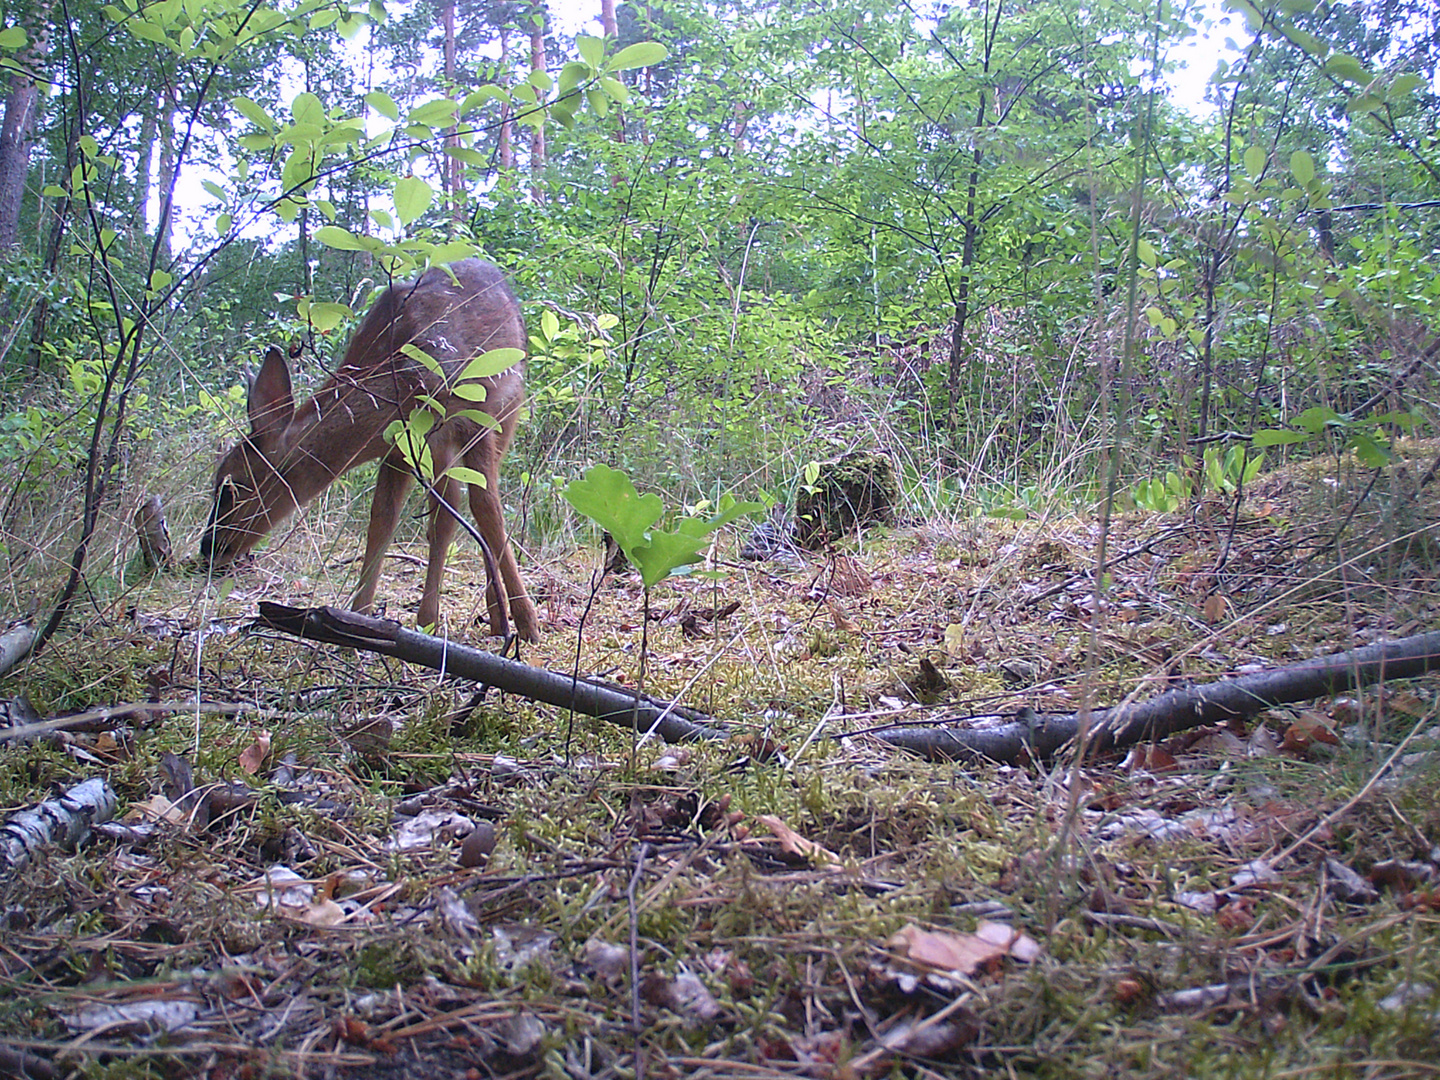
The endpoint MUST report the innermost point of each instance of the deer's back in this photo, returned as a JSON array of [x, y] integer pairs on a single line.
[[452, 320]]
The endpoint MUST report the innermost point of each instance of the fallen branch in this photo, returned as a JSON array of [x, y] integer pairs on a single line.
[[65, 821], [1178, 710], [590, 697]]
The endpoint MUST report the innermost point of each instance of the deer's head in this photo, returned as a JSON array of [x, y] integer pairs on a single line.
[[250, 495]]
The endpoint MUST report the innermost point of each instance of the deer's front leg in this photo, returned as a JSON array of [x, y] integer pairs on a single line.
[[441, 532], [391, 486]]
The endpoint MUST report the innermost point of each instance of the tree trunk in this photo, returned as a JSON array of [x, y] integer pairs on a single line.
[[17, 129], [972, 232], [607, 20], [59, 219], [166, 123], [506, 147], [144, 155], [537, 138], [450, 165]]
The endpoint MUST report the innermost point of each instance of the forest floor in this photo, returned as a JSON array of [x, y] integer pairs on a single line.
[[336, 866]]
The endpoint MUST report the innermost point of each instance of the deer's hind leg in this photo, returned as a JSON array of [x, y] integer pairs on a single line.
[[489, 514]]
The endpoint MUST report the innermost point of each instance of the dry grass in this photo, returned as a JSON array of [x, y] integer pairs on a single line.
[[760, 880]]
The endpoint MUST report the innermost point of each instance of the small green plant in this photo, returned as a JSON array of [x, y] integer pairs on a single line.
[[1227, 471], [1162, 495], [607, 497]]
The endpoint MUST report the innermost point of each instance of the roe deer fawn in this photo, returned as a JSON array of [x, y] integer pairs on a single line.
[[291, 455]]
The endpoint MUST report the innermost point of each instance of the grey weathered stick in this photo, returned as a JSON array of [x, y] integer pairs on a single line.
[[336, 626], [1180, 710], [15, 645]]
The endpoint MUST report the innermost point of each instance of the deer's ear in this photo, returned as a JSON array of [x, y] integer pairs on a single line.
[[272, 404]]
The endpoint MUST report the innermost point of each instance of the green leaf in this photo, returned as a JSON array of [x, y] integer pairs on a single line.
[[549, 325], [607, 497], [307, 109], [467, 475], [1146, 252], [1347, 69], [437, 113], [469, 391], [326, 317], [412, 198], [571, 75], [383, 104], [54, 191], [252, 111], [591, 49], [641, 54], [1254, 161], [148, 31], [618, 91], [492, 362], [476, 98], [214, 189], [1403, 86], [333, 236], [420, 356], [1406, 420], [1317, 418], [1364, 103], [480, 417], [222, 224], [1369, 451], [1302, 167], [12, 37], [468, 155]]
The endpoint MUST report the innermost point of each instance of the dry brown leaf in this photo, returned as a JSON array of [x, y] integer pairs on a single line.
[[793, 842], [1151, 759], [1308, 728], [254, 755], [156, 808], [1214, 607], [841, 620], [320, 913], [944, 950], [1019, 944]]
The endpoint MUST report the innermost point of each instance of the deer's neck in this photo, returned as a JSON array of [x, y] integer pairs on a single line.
[[340, 428]]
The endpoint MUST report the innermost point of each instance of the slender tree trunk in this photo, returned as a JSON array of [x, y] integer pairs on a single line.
[[166, 123], [450, 165], [144, 156], [537, 138], [506, 148], [967, 264], [59, 220], [972, 232], [607, 20], [18, 127]]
